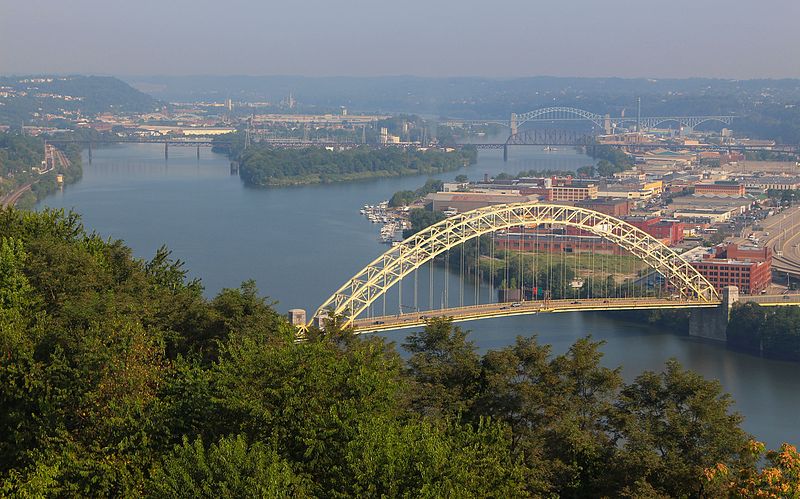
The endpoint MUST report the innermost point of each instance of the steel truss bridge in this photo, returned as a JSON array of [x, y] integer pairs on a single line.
[[355, 297], [606, 122], [353, 303], [189, 142]]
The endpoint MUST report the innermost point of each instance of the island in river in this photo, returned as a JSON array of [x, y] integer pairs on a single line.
[[264, 166]]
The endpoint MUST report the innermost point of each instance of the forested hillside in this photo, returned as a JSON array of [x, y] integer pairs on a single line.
[[118, 378]]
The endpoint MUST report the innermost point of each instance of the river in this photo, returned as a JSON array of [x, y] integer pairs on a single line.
[[301, 243]]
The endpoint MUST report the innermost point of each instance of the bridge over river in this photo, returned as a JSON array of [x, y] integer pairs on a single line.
[[543, 258]]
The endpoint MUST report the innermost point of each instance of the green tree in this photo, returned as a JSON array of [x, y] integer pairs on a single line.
[[444, 367], [422, 219], [308, 398], [672, 426], [229, 468], [423, 459], [781, 333], [744, 326]]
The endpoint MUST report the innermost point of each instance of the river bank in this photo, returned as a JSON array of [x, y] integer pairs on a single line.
[[301, 243]]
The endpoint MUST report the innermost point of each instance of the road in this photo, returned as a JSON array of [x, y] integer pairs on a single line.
[[459, 314], [520, 308], [784, 239]]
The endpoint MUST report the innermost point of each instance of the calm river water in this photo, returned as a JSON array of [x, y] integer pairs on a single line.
[[301, 243]]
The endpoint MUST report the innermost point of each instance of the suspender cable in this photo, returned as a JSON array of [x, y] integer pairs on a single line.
[[461, 274], [430, 284]]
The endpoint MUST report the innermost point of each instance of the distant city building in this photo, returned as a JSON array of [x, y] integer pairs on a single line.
[[669, 232], [772, 183], [558, 189], [720, 188], [614, 207], [466, 201], [556, 240]]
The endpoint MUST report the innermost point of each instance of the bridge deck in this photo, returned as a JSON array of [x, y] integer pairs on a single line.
[[459, 314], [474, 312]]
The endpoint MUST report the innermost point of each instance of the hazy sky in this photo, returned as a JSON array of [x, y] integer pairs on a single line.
[[674, 38]]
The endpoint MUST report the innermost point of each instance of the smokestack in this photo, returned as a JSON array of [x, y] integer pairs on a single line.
[[638, 114]]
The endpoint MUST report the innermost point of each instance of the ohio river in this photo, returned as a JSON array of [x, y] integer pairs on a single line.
[[301, 243]]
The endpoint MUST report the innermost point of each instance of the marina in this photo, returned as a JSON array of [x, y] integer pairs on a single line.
[[394, 220]]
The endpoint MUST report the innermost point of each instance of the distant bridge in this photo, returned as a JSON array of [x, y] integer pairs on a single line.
[[285, 143], [605, 122]]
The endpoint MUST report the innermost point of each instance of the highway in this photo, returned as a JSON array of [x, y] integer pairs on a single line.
[[784, 239]]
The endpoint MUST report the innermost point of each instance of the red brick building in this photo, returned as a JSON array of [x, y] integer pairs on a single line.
[[670, 232], [614, 207], [557, 241], [721, 188], [729, 265]]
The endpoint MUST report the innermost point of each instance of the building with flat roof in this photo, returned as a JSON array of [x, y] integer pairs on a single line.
[[614, 207], [720, 188], [772, 183], [669, 232], [466, 201], [556, 241], [719, 208], [631, 190], [555, 189], [748, 268]]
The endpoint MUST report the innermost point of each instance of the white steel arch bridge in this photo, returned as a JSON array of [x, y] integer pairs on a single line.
[[565, 113], [354, 297]]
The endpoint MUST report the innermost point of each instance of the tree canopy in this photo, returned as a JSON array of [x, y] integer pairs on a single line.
[[120, 379]]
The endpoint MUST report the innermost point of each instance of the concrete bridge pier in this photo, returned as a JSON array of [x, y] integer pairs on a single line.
[[505, 152], [712, 323]]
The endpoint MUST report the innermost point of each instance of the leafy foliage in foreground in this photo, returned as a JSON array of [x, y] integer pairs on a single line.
[[119, 379]]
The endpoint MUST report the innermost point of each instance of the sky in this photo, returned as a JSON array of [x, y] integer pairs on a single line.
[[491, 38]]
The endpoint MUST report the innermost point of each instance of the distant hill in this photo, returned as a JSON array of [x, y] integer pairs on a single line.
[[472, 96], [31, 98]]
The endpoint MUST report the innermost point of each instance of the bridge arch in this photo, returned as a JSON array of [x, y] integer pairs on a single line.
[[668, 120], [559, 113], [358, 293], [725, 120]]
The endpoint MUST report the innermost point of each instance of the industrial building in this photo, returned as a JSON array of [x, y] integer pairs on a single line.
[[668, 231], [614, 207], [466, 201], [748, 268], [720, 188]]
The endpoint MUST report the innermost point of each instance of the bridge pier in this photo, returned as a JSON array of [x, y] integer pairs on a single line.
[[712, 323], [166, 151], [505, 152], [198, 153], [90, 153]]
